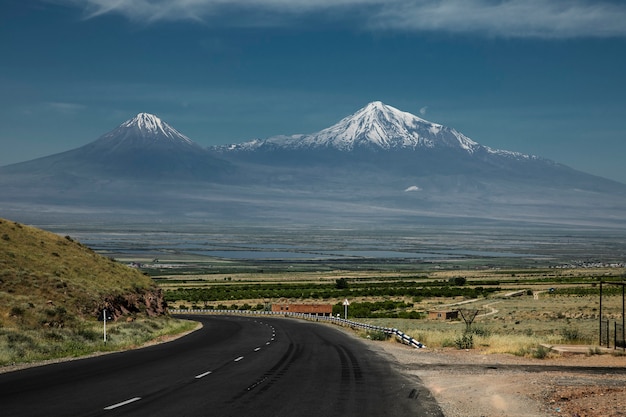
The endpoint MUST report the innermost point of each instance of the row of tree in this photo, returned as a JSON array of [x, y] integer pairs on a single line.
[[324, 291]]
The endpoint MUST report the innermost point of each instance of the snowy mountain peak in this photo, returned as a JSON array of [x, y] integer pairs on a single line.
[[376, 105], [380, 109], [146, 121], [147, 124], [375, 126]]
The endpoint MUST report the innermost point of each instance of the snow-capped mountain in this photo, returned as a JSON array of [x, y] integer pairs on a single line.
[[377, 165], [149, 125], [376, 126], [144, 147], [380, 136], [143, 132], [381, 146]]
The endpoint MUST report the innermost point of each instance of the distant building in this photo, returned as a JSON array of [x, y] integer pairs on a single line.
[[314, 309], [443, 314]]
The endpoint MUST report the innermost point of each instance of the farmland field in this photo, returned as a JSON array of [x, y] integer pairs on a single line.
[[394, 277]]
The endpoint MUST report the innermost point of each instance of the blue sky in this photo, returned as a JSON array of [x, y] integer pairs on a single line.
[[544, 77]]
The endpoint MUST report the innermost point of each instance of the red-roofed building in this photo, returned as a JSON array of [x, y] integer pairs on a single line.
[[314, 309]]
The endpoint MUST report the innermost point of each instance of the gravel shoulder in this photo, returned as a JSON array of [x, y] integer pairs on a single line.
[[470, 383]]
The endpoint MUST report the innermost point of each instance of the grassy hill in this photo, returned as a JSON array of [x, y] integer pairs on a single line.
[[52, 290]]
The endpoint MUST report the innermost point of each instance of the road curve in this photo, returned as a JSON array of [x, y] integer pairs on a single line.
[[233, 366]]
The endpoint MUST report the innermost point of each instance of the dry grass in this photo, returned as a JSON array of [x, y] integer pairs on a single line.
[[51, 281], [26, 346], [51, 290], [516, 325]]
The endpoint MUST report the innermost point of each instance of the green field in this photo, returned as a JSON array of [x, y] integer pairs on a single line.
[[549, 306]]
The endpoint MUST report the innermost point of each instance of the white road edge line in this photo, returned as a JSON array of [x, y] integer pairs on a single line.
[[203, 375], [123, 403], [238, 359], [257, 349]]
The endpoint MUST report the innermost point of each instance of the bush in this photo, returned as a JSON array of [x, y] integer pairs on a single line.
[[541, 352], [89, 335], [341, 284], [480, 331], [17, 311], [464, 342], [460, 281], [595, 351], [570, 334], [377, 335]]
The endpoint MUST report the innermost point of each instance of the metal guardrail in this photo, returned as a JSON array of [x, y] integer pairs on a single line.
[[401, 336]]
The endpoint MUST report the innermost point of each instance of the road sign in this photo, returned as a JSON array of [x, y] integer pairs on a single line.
[[346, 302], [104, 314]]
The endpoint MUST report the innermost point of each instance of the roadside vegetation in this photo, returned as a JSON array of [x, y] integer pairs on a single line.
[[52, 290], [33, 345]]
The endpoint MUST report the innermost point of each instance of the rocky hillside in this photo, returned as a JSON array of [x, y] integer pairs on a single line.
[[49, 281]]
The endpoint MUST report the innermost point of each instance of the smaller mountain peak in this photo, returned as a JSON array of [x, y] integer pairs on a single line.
[[146, 121], [149, 125], [146, 116]]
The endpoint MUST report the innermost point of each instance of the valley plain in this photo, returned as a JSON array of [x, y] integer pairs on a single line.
[[393, 276]]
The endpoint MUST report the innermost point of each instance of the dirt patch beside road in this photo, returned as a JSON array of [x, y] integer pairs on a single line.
[[470, 383]]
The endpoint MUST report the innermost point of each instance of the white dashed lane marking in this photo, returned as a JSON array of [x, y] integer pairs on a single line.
[[123, 403]]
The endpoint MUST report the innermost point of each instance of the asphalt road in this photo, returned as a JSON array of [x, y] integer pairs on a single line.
[[233, 366]]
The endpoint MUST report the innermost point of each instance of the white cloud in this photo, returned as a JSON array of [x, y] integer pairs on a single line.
[[412, 188], [498, 18], [510, 18], [423, 110]]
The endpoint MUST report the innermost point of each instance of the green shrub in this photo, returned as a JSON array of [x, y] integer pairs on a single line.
[[17, 311], [89, 334], [540, 352], [570, 334], [458, 281], [480, 331], [466, 341], [595, 351], [341, 284], [377, 335]]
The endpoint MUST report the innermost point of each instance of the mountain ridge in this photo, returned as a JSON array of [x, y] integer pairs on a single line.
[[377, 165], [375, 126]]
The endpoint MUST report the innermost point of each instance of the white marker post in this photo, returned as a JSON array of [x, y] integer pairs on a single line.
[[104, 319], [346, 303]]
